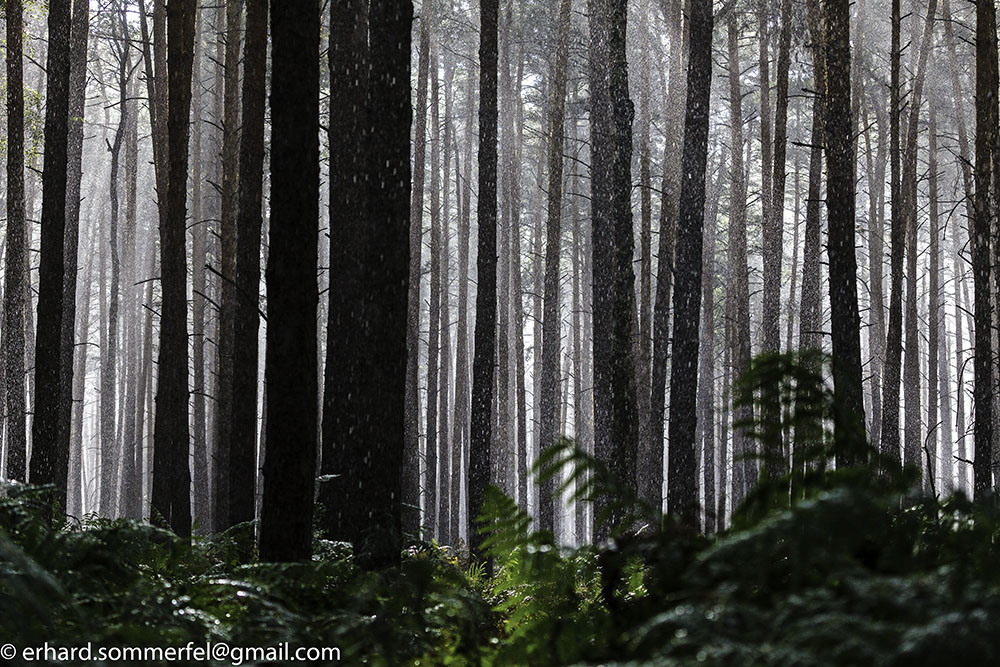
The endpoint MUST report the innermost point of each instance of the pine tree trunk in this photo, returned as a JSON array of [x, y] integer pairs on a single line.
[[77, 102], [739, 339], [840, 202], [292, 300], [550, 320], [243, 454], [651, 470], [986, 123], [484, 355], [171, 474], [681, 491], [49, 459], [16, 271], [411, 468], [615, 407]]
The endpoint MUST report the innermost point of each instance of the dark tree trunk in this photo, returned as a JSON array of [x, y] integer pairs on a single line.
[[388, 261], [225, 398], [411, 469], [243, 455], [342, 454], [550, 320], [651, 469], [484, 355], [110, 454], [77, 102], [986, 124], [845, 321], [738, 295], [171, 473], [49, 459], [430, 523], [682, 496], [615, 409], [292, 300], [889, 446], [16, 273]]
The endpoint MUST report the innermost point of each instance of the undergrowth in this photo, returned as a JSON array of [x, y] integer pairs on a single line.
[[823, 566]]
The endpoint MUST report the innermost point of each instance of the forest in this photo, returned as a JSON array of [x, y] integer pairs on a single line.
[[500, 332]]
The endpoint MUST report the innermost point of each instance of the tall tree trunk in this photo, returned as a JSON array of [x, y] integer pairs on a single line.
[[77, 102], [651, 482], [444, 377], [739, 292], [342, 454], [49, 459], [840, 201], [934, 318], [911, 372], [110, 454], [411, 468], [615, 408], [225, 397], [986, 124], [681, 491], [388, 261], [550, 320], [243, 455], [460, 441], [645, 340], [484, 355], [201, 494], [171, 474], [16, 272], [706, 363], [292, 300], [430, 523], [889, 446]]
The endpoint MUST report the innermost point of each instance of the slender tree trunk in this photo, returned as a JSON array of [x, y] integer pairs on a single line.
[[738, 270], [840, 201], [550, 320], [484, 356], [651, 486], [77, 102], [445, 498], [889, 447], [986, 123], [615, 408], [934, 318], [460, 441], [411, 468], [49, 459], [16, 272], [243, 454], [706, 363], [681, 493], [171, 474], [225, 397], [430, 523]]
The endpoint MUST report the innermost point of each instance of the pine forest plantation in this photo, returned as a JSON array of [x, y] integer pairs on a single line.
[[502, 331]]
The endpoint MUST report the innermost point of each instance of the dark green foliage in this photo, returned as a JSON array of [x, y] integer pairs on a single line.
[[850, 569]]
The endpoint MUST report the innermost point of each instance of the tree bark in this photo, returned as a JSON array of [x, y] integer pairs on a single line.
[[16, 272], [290, 366], [171, 474], [484, 355], [550, 319], [49, 459], [840, 201], [681, 491]]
